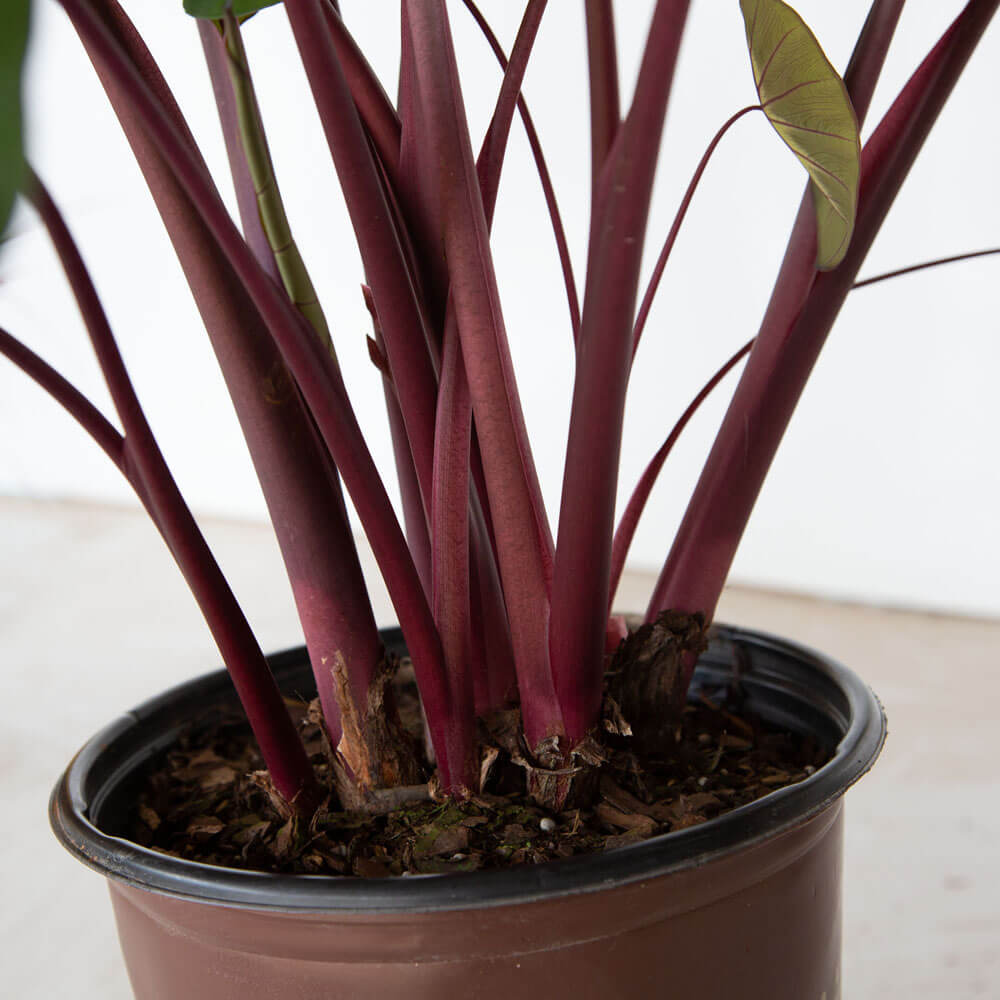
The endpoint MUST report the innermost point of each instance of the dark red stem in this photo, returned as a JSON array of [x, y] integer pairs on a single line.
[[214, 48], [637, 503], [489, 163], [81, 409], [450, 528], [421, 229], [586, 521], [873, 43], [544, 177], [511, 481], [313, 369], [797, 272], [785, 353], [668, 245], [373, 104], [400, 316], [279, 743], [298, 483], [875, 279], [605, 101], [640, 496], [415, 517]]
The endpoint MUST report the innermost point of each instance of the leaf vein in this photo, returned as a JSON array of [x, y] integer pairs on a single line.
[[791, 90], [753, 33], [822, 169], [814, 131], [774, 52]]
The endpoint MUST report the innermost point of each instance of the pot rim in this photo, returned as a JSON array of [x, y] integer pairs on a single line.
[[778, 669]]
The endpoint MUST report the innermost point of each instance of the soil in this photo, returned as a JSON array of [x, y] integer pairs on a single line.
[[207, 800]]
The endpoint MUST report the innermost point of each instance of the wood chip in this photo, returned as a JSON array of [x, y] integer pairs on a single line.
[[700, 801], [625, 821], [731, 742], [623, 840], [205, 826], [774, 780], [149, 816], [217, 777], [371, 868], [616, 796], [515, 833], [282, 845], [251, 833], [436, 842]]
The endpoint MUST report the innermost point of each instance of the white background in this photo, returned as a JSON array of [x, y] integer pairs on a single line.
[[886, 486]]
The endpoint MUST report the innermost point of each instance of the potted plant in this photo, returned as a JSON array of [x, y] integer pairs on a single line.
[[523, 674]]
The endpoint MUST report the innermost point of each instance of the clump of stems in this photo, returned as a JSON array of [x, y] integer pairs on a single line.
[[497, 612]]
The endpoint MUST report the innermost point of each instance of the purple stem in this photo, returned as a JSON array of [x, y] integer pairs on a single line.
[[414, 517], [400, 316], [797, 272], [450, 528], [313, 369], [544, 177], [586, 523], [875, 279], [492, 642], [868, 57], [419, 196], [373, 104], [512, 485], [630, 519], [785, 354], [419, 193], [399, 311], [214, 47], [640, 496], [81, 409], [489, 163], [489, 627], [299, 487], [305, 497], [668, 245], [605, 102], [280, 746], [416, 506]]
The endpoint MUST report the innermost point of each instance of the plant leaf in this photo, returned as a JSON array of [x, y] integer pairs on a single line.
[[14, 19], [807, 103], [215, 9]]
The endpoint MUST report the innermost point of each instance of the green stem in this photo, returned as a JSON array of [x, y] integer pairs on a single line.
[[274, 220]]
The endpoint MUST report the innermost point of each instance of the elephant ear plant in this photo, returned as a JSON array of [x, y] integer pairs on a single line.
[[502, 620]]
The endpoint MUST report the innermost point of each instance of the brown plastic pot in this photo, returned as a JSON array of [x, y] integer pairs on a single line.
[[746, 905]]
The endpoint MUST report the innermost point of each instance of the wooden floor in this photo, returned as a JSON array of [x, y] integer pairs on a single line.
[[94, 618]]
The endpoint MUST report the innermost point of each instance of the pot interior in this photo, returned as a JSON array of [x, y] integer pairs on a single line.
[[788, 686]]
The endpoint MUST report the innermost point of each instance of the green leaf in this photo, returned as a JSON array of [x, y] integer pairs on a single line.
[[14, 18], [807, 103], [214, 9]]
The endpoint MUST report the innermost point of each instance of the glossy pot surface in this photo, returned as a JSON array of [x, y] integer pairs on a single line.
[[744, 905]]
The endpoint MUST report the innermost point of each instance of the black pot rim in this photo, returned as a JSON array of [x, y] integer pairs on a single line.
[[781, 670]]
